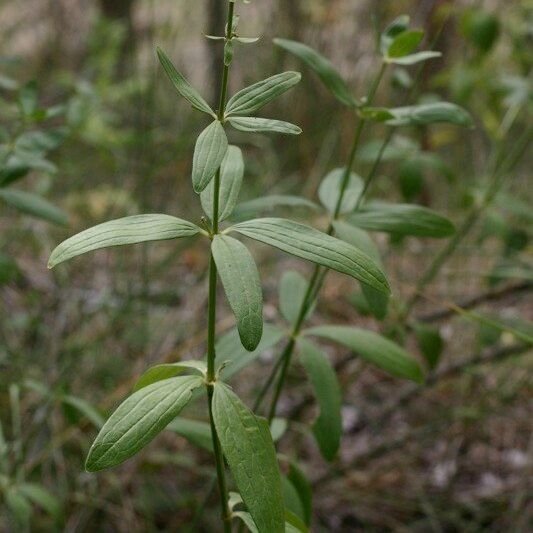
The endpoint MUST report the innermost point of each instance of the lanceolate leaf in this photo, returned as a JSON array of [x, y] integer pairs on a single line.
[[395, 28], [195, 431], [373, 348], [264, 125], [183, 86], [169, 370], [127, 230], [252, 98], [34, 205], [330, 190], [231, 174], [292, 290], [210, 149], [304, 489], [377, 301], [437, 112], [327, 428], [138, 420], [402, 219], [240, 278], [268, 203], [417, 57], [313, 245], [249, 450], [322, 67], [405, 43], [235, 357]]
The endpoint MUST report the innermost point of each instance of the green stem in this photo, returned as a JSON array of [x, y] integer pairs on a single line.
[[318, 273], [499, 169], [212, 303]]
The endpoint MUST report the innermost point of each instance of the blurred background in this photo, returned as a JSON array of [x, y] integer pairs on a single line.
[[90, 129]]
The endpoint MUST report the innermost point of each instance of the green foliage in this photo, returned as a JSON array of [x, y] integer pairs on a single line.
[[138, 420], [250, 452]]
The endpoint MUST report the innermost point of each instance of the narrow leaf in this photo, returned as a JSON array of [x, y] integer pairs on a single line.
[[249, 450], [138, 420], [330, 190], [327, 428], [395, 28], [195, 431], [402, 219], [373, 348], [169, 370], [322, 67], [313, 245], [43, 498], [210, 149], [240, 278], [268, 203], [231, 174], [250, 99], [127, 230], [430, 342], [235, 357], [85, 408], [264, 125], [412, 59], [437, 112], [304, 489], [34, 205], [183, 86], [292, 290], [404, 43]]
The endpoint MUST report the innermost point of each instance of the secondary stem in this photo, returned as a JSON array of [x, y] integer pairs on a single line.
[[212, 302], [318, 274], [496, 182]]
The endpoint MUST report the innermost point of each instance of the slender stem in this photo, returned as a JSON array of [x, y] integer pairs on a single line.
[[499, 169], [212, 303], [318, 273]]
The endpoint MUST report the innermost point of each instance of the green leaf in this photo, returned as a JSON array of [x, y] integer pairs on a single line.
[[169, 370], [304, 489], [291, 499], [249, 450], [85, 408], [376, 114], [373, 348], [430, 342], [313, 245], [40, 142], [376, 302], [322, 67], [209, 152], [404, 43], [330, 190], [402, 219], [43, 498], [127, 230], [292, 291], [395, 28], [34, 205], [231, 174], [250, 99], [195, 431], [241, 282], [327, 428], [268, 203], [19, 506], [138, 420], [231, 352], [437, 112], [28, 98], [183, 86], [264, 125], [412, 59]]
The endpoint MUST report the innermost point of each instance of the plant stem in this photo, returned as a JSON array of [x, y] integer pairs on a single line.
[[318, 273], [500, 168], [212, 303]]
